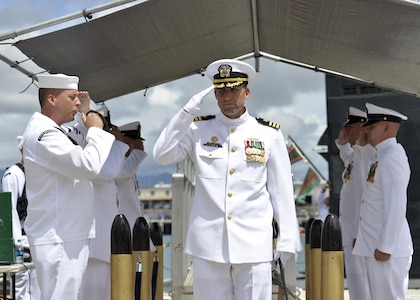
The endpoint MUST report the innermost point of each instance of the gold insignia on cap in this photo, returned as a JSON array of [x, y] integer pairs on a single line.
[[214, 139], [224, 71]]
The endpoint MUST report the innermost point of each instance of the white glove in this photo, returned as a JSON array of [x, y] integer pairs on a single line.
[[194, 104], [284, 257]]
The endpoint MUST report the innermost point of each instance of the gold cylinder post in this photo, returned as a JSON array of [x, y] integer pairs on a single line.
[[121, 266], [141, 254], [332, 260], [315, 244], [308, 259]]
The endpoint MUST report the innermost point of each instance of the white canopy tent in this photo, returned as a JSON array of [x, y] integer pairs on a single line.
[[374, 41]]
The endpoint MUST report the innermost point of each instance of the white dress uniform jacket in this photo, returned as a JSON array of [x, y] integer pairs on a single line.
[[382, 222], [354, 177], [237, 192], [128, 189], [59, 191]]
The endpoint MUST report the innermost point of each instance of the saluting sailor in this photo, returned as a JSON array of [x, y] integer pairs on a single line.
[[128, 189], [383, 237], [353, 147], [243, 181], [60, 220]]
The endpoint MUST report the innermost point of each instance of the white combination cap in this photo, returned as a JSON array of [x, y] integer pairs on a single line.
[[355, 115], [228, 73], [376, 113], [132, 130], [58, 81]]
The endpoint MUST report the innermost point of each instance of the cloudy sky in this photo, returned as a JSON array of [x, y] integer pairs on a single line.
[[289, 95]]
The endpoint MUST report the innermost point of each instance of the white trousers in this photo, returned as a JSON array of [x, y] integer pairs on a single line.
[[26, 285], [356, 275], [96, 283], [388, 280], [221, 281], [60, 268]]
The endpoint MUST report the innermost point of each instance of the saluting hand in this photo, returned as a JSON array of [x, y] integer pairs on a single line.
[[194, 103], [117, 133], [84, 98], [343, 136]]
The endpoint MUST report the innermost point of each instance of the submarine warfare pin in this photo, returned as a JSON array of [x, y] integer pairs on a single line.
[[213, 142]]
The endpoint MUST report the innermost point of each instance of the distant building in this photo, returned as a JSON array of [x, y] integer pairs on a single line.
[[157, 204]]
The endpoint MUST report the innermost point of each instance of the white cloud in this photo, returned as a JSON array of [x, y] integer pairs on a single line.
[[164, 96]]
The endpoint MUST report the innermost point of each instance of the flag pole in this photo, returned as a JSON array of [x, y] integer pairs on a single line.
[[307, 159]]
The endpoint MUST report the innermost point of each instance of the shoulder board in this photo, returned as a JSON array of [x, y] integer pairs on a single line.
[[268, 123], [204, 118]]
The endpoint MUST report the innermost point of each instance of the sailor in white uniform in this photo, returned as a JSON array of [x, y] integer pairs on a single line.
[[384, 238], [128, 190], [351, 142], [13, 181], [60, 218], [97, 279], [243, 181]]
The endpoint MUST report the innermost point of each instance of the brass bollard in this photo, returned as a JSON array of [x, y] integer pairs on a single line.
[[121, 265], [157, 259], [315, 245], [141, 260], [332, 264], [308, 259]]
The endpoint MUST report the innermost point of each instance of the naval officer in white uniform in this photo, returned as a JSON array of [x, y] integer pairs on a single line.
[[352, 142], [243, 181], [128, 189], [384, 238], [60, 218]]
